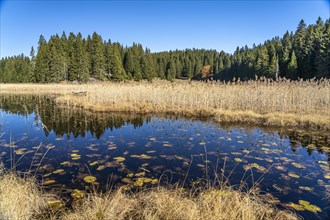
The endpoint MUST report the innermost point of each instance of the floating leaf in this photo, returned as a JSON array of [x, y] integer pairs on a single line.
[[130, 175], [126, 180], [48, 182], [75, 156], [294, 206], [55, 204], [20, 151], [167, 145], [327, 176], [269, 160], [293, 175], [119, 159], [254, 165], [309, 207], [142, 156], [152, 139], [126, 152], [101, 167], [146, 180], [154, 181], [238, 160], [138, 182], [306, 188], [77, 194], [322, 162], [58, 171], [140, 174], [280, 167], [298, 165], [47, 175], [89, 179], [93, 163], [66, 163]]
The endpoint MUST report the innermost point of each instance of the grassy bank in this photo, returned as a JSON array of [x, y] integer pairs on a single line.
[[261, 102], [22, 198]]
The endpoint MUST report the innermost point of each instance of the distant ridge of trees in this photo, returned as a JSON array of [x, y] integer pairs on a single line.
[[304, 54]]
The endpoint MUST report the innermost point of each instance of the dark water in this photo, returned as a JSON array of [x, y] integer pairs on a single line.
[[64, 145]]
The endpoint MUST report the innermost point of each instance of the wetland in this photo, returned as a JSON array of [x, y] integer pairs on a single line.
[[70, 149]]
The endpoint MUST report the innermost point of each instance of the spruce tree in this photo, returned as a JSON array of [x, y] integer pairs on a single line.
[[97, 58], [42, 62], [292, 66]]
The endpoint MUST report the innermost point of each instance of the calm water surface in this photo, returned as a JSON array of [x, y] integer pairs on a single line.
[[64, 145]]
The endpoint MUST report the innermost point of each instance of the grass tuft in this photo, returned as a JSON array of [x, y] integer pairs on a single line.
[[20, 197]]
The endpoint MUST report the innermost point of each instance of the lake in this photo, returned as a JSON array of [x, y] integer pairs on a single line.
[[64, 145]]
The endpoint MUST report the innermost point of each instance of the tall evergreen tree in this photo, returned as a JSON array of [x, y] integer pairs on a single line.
[[42, 61], [97, 58]]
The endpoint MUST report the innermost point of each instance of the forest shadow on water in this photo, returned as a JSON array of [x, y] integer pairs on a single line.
[[67, 148]]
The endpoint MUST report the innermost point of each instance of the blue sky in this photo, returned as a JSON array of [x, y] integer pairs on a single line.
[[158, 25]]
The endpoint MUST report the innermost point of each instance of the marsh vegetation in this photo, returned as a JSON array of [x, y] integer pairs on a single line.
[[263, 102]]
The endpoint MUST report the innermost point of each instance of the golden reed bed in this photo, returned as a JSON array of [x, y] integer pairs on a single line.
[[24, 199], [260, 102]]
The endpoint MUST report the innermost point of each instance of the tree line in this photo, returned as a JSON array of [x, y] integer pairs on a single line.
[[303, 54]]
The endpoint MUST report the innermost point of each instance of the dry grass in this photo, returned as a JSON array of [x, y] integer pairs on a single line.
[[21, 198], [160, 203], [282, 103]]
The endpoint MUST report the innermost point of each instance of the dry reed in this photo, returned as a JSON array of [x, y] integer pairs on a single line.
[[21, 198], [263, 102]]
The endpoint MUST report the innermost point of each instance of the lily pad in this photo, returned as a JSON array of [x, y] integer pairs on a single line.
[[48, 182], [93, 163], [126, 180], [58, 171], [140, 174], [66, 163], [154, 181], [306, 188], [101, 167], [55, 204], [293, 175], [119, 159], [298, 165], [138, 182], [89, 179], [309, 207], [77, 194], [296, 207]]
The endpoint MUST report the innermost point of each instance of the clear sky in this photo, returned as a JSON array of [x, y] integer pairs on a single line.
[[158, 25]]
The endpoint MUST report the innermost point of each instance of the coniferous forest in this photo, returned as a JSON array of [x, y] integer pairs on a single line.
[[303, 54]]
